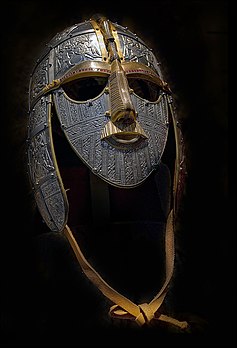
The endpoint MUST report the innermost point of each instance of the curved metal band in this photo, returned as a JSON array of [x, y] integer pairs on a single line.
[[97, 68]]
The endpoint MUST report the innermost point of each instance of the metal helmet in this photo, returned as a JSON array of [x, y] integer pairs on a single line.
[[100, 88]]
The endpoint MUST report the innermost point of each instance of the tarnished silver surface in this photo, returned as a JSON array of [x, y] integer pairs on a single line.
[[76, 50], [74, 30], [83, 122], [79, 43], [135, 51], [39, 79], [42, 170], [72, 46]]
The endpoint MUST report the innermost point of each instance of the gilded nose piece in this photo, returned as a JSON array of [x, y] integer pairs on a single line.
[[122, 109], [122, 127]]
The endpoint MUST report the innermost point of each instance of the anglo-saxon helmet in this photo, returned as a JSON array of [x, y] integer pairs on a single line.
[[98, 91]]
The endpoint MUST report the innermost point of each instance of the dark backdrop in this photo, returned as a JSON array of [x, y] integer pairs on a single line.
[[192, 39]]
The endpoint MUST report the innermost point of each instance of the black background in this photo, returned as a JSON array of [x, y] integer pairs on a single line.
[[191, 37]]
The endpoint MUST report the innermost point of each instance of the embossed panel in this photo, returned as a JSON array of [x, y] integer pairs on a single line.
[[49, 193], [134, 50], [76, 50], [40, 157], [54, 202], [38, 117], [39, 79], [74, 30], [44, 211]]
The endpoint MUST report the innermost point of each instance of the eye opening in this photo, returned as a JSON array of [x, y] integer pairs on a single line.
[[144, 88], [85, 88]]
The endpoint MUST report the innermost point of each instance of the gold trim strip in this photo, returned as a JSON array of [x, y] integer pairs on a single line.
[[117, 42], [178, 154], [84, 69], [135, 69], [100, 38], [97, 68]]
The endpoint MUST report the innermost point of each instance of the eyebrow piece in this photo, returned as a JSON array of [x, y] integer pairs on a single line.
[[84, 69]]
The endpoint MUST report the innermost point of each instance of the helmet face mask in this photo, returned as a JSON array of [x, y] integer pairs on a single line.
[[99, 104]]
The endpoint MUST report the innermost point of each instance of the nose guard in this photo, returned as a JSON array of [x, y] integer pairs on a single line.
[[122, 128], [122, 109]]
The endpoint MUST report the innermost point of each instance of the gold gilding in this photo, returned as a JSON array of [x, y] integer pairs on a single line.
[[120, 99], [127, 132], [117, 42], [139, 70], [100, 38], [97, 68], [107, 37], [86, 69], [50, 86]]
